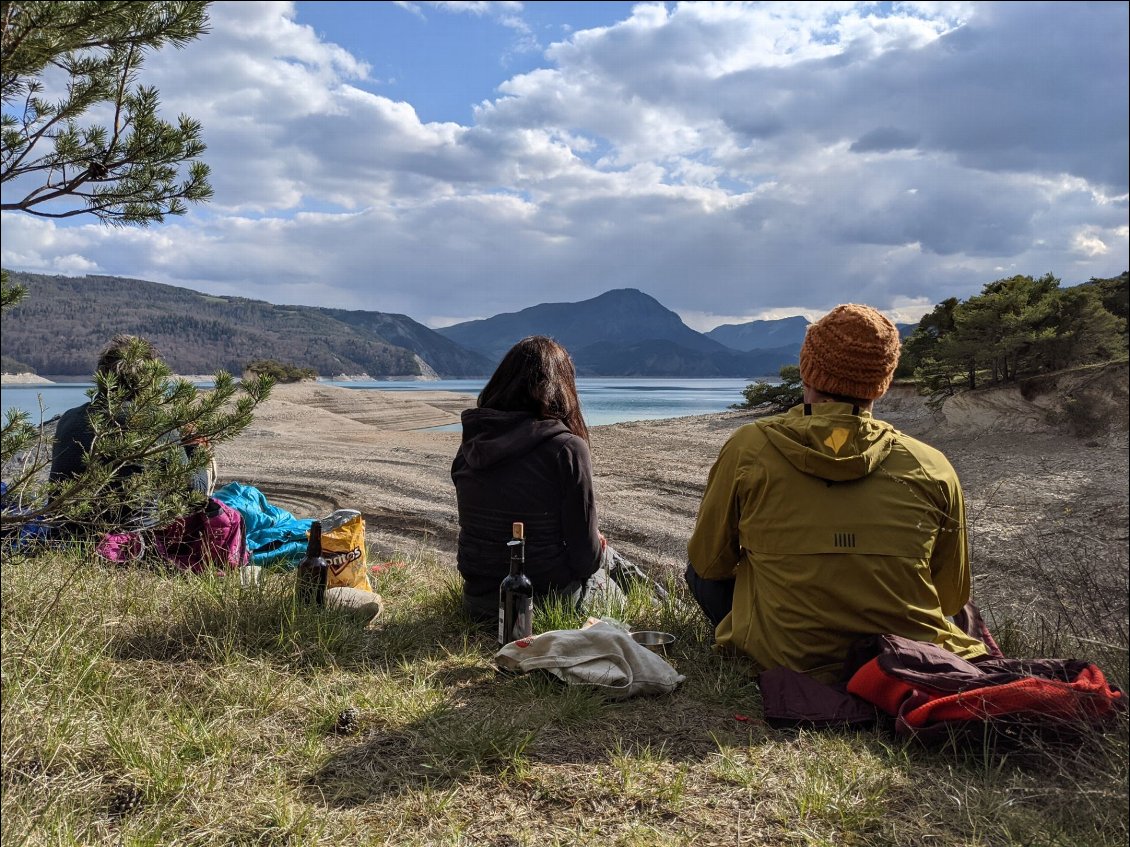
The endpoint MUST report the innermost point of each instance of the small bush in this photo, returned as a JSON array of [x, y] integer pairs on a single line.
[[279, 371], [1084, 415], [778, 398]]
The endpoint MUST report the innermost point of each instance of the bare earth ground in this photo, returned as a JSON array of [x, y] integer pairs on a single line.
[[1041, 500]]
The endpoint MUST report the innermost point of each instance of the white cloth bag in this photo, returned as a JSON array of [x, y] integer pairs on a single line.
[[601, 656]]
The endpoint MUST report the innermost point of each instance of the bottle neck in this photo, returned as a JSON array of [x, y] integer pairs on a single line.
[[314, 545], [517, 555]]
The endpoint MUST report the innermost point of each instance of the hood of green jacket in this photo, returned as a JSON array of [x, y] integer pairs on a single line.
[[831, 443]]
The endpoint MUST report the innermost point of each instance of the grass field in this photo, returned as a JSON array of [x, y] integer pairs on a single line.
[[145, 708]]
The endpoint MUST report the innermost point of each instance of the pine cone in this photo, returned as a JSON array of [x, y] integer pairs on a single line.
[[125, 800], [347, 722]]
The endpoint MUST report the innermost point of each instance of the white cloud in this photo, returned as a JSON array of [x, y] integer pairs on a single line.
[[1089, 244], [736, 161]]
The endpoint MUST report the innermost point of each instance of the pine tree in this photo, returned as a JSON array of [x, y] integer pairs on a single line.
[[55, 160], [779, 397], [1015, 328], [137, 466]]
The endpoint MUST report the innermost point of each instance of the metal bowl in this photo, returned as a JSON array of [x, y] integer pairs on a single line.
[[658, 641]]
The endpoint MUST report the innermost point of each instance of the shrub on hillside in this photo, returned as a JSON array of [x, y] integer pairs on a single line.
[[776, 397], [279, 371]]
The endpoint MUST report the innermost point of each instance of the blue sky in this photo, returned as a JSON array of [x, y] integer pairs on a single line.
[[446, 62], [736, 161]]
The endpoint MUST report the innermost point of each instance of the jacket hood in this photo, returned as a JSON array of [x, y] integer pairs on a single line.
[[491, 437], [830, 443]]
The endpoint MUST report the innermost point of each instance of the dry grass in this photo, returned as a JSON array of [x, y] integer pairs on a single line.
[[215, 710]]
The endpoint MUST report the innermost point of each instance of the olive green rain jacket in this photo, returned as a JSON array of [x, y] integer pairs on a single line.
[[835, 526]]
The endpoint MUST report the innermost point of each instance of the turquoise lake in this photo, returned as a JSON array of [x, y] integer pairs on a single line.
[[605, 400]]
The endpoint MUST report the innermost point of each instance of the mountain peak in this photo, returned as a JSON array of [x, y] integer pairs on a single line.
[[624, 292], [626, 298], [621, 315]]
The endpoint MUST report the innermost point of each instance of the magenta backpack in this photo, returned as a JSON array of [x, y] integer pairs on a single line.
[[213, 537]]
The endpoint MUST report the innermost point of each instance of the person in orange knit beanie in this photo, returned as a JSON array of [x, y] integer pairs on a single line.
[[823, 525]]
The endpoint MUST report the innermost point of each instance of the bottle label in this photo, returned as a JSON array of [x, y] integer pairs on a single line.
[[515, 617], [523, 618]]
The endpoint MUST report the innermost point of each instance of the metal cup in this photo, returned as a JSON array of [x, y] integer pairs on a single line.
[[657, 642]]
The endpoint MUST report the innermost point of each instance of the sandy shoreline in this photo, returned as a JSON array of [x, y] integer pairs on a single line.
[[313, 448], [24, 379], [36, 379]]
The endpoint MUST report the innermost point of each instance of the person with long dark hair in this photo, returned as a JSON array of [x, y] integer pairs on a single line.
[[525, 457]]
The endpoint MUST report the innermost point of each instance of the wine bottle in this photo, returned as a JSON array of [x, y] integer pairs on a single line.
[[516, 594], [310, 582]]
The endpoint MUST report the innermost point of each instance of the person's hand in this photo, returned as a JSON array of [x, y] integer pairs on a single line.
[[603, 541]]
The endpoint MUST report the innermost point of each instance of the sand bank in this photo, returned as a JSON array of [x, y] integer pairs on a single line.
[[24, 379], [314, 448]]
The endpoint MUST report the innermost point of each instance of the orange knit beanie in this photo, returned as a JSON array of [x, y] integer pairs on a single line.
[[851, 351]]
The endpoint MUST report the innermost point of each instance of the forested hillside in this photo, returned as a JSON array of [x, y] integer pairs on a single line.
[[64, 321], [1015, 328], [665, 358]]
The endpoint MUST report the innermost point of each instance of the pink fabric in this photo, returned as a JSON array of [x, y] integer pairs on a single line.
[[120, 547], [212, 538]]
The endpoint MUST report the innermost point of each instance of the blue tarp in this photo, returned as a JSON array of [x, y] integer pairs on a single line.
[[17, 530], [275, 537]]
